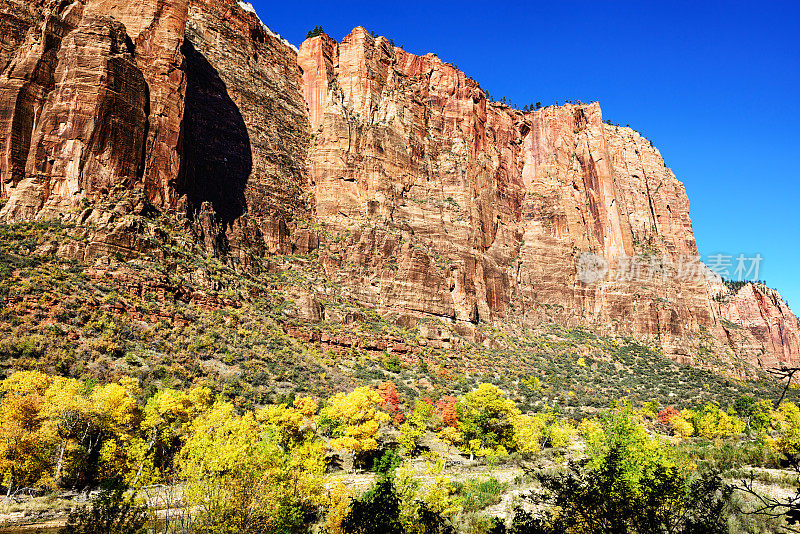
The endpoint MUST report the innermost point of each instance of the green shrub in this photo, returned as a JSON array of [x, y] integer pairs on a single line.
[[479, 494], [112, 512], [606, 500], [378, 511]]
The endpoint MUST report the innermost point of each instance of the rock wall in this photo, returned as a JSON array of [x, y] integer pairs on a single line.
[[105, 95], [757, 320], [156, 28], [90, 100], [431, 199], [246, 133], [449, 205]]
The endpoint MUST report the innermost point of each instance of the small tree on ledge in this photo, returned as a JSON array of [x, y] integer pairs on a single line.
[[315, 32]]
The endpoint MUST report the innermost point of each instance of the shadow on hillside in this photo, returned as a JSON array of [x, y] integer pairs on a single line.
[[217, 160]]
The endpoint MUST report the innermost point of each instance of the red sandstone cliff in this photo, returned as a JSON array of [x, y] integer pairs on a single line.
[[758, 321], [467, 209], [246, 132], [91, 98], [432, 200], [98, 95]]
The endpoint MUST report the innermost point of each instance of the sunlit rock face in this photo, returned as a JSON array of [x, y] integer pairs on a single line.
[[91, 98], [196, 104], [760, 323], [420, 196], [449, 205]]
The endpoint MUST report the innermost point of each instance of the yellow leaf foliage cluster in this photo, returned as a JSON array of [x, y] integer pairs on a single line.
[[264, 468], [359, 417]]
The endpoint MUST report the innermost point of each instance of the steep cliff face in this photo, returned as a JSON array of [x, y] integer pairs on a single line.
[[91, 101], [16, 18], [245, 133], [156, 28], [421, 197], [454, 206], [105, 95], [604, 189], [757, 320]]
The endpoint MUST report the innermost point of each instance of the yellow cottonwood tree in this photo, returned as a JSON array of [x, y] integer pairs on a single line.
[[486, 420], [116, 413], [293, 424], [24, 447], [358, 419], [529, 433], [788, 425], [242, 479], [711, 422], [415, 427], [681, 424], [70, 417], [164, 424]]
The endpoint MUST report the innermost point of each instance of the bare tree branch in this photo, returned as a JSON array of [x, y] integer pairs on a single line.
[[783, 373]]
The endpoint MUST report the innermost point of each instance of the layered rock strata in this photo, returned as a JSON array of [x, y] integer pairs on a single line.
[[758, 321], [420, 196], [246, 132], [90, 100], [459, 207]]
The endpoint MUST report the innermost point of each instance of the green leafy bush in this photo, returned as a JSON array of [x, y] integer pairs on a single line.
[[112, 512]]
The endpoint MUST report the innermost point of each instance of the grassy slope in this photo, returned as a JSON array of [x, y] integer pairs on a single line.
[[243, 337]]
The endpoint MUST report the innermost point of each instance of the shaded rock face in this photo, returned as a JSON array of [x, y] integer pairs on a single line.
[[156, 28], [93, 96], [16, 18], [217, 158], [249, 92], [73, 114], [434, 200]]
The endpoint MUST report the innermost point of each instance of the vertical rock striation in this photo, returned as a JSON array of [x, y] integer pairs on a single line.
[[449, 205], [156, 29], [246, 132], [91, 100], [73, 113], [434, 200], [757, 320]]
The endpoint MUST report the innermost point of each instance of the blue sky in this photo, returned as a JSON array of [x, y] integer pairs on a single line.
[[714, 85]]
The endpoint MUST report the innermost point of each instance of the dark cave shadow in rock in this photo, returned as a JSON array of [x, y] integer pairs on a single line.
[[216, 160]]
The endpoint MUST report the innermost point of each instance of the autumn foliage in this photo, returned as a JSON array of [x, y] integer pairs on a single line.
[[446, 411], [263, 470]]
